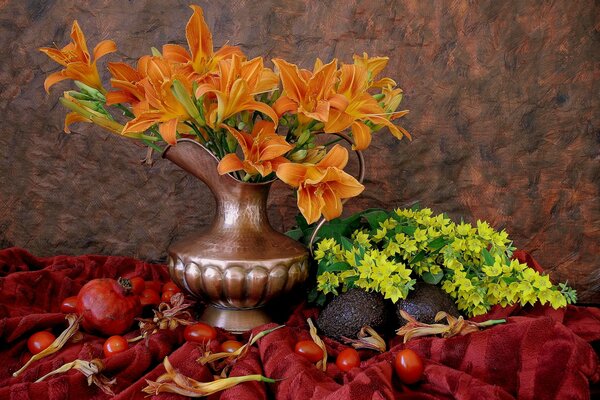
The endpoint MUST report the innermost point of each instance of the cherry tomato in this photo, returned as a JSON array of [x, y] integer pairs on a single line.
[[409, 366], [229, 346], [40, 341], [171, 287], [166, 296], [347, 359], [199, 333], [69, 305], [115, 345], [137, 284], [309, 350], [149, 297], [154, 285]]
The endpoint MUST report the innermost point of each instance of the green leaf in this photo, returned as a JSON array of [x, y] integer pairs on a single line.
[[418, 257], [438, 243], [295, 234], [432, 279], [346, 243], [409, 230], [487, 257], [337, 267], [349, 282], [375, 217]]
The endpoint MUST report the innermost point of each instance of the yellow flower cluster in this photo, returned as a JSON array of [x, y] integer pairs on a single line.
[[473, 264]]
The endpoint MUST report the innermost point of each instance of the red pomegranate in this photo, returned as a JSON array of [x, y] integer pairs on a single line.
[[108, 306]]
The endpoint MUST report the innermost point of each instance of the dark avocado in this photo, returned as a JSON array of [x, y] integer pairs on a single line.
[[347, 313], [424, 301]]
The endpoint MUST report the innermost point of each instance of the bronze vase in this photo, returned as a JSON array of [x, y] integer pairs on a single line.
[[239, 263]]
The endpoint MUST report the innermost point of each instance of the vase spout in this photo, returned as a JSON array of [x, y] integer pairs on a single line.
[[195, 159]]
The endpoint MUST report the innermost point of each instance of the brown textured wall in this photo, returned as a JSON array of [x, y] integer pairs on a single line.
[[505, 117]]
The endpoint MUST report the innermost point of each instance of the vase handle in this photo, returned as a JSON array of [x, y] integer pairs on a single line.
[[361, 177]]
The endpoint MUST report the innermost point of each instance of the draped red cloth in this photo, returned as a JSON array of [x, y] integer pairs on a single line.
[[540, 353]]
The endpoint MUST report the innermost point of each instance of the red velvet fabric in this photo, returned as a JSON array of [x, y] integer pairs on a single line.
[[539, 353]]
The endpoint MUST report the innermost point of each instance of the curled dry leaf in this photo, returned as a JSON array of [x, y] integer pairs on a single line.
[[313, 334], [368, 338], [91, 370], [228, 359], [454, 326], [58, 343], [175, 382], [166, 317]]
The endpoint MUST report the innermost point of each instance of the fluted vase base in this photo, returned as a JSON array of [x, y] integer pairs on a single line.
[[235, 321]]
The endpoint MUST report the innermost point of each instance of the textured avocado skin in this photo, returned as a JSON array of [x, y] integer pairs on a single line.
[[424, 301], [347, 313]]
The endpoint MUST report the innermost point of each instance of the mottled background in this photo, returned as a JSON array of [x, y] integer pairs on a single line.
[[504, 102]]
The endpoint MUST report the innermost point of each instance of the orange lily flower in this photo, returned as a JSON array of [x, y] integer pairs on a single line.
[[237, 83], [321, 187], [202, 61], [76, 58], [130, 89], [263, 151], [309, 94], [354, 82], [163, 107], [374, 65]]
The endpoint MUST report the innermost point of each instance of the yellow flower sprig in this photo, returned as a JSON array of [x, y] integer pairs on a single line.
[[473, 264]]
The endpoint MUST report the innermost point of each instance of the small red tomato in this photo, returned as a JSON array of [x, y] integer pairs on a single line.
[[166, 296], [347, 359], [229, 346], [40, 341], [69, 305], [114, 345], [309, 350], [409, 366], [199, 333], [171, 287], [149, 297], [137, 284], [154, 285]]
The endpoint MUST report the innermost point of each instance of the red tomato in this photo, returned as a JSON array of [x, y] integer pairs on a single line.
[[149, 297], [229, 346], [347, 359], [40, 341], [137, 284], [409, 366], [309, 350], [199, 333], [166, 296], [171, 287], [114, 345], [154, 285], [69, 305]]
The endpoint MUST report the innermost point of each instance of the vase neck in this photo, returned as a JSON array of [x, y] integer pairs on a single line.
[[241, 206]]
